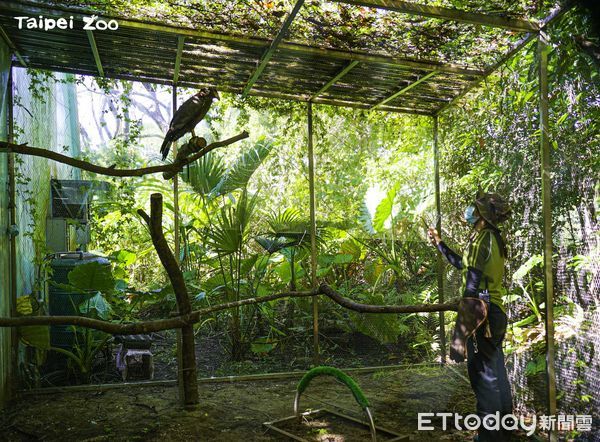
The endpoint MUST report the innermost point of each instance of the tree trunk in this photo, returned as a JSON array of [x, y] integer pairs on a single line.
[[184, 307]]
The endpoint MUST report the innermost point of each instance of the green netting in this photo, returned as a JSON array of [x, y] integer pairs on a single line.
[[5, 352], [45, 116]]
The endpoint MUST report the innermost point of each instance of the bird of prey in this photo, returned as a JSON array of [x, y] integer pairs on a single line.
[[187, 117]]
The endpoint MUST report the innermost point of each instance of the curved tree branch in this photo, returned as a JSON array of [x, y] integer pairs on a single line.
[[197, 315], [369, 308], [144, 326], [169, 169]]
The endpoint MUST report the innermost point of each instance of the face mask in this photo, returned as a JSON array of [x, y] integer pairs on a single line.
[[470, 216]]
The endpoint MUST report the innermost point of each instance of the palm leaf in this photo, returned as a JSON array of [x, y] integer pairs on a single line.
[[272, 245], [238, 175], [205, 174], [230, 231], [284, 220]]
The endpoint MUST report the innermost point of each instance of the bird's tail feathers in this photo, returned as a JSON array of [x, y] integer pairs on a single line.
[[164, 149]]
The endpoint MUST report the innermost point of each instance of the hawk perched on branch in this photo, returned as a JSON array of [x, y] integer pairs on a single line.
[[187, 117]]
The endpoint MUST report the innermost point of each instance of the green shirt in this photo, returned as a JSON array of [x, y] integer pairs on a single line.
[[483, 253]]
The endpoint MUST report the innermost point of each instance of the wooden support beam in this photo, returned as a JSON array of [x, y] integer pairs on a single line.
[[180, 43], [335, 79], [273, 47], [475, 18], [94, 48], [12, 46], [405, 89]]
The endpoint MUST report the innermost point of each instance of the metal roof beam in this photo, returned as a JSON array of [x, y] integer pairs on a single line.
[[180, 43], [381, 59], [335, 79], [12, 46], [471, 86], [528, 38], [273, 47], [405, 89], [494, 21], [92, 40], [256, 92]]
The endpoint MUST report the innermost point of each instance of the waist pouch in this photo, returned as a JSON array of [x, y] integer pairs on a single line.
[[472, 314]]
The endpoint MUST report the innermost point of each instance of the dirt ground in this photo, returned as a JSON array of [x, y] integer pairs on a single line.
[[235, 411]]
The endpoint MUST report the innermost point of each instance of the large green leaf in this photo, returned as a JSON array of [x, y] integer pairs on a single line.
[[36, 336], [92, 276], [287, 220], [125, 257], [384, 210], [527, 267], [284, 271], [263, 345], [96, 306], [352, 247]]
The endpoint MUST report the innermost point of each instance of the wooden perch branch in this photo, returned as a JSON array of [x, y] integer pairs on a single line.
[[197, 315], [144, 326], [154, 222], [369, 308], [188, 346], [169, 169]]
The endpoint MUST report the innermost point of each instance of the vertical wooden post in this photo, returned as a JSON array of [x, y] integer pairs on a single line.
[[12, 212], [187, 369], [547, 227], [438, 226], [313, 235], [180, 383]]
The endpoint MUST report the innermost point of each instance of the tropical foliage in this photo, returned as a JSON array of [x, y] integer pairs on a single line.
[[244, 226]]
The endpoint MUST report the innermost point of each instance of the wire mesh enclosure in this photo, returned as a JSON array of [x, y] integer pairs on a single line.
[[234, 241]]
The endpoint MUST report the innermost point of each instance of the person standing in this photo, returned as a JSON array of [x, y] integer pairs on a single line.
[[482, 267]]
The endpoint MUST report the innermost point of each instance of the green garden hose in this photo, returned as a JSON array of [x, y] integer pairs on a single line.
[[358, 394]]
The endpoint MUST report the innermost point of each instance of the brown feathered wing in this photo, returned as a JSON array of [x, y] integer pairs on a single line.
[[187, 116]]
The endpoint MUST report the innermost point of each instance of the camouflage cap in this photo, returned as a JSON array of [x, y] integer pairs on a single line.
[[492, 207]]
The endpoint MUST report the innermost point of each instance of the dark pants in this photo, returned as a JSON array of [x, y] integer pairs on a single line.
[[487, 374]]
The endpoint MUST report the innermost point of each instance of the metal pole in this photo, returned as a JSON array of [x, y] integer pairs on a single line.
[[547, 227], [176, 247], [12, 209], [313, 235], [176, 187], [438, 226]]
